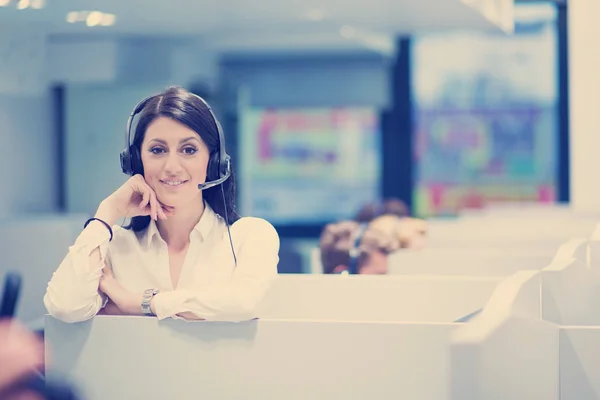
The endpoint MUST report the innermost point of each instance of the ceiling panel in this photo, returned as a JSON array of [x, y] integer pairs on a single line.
[[251, 22]]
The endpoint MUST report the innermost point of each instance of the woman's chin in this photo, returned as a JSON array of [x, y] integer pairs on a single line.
[[168, 199], [175, 200]]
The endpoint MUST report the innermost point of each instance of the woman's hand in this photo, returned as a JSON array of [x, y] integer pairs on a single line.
[[134, 198], [190, 316]]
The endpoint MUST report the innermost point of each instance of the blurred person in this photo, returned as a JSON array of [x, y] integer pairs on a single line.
[[186, 253], [362, 248], [21, 355], [411, 231]]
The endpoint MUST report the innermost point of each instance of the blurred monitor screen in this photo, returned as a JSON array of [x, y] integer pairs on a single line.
[[486, 115], [308, 166]]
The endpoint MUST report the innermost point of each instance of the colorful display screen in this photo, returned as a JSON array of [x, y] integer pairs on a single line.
[[308, 166], [486, 115]]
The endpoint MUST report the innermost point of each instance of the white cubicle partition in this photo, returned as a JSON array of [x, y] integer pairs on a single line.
[[545, 338], [508, 351], [487, 261], [376, 298], [466, 262], [570, 289], [594, 250], [294, 358], [506, 244], [579, 362], [124, 358], [571, 295], [499, 261], [570, 298], [302, 355], [507, 232], [35, 245]]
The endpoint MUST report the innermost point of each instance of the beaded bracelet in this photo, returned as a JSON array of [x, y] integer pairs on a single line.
[[105, 224]]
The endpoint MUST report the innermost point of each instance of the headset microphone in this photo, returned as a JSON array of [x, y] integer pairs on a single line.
[[208, 185]]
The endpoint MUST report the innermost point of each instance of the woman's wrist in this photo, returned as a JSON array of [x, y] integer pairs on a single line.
[[107, 213], [129, 303], [132, 303]]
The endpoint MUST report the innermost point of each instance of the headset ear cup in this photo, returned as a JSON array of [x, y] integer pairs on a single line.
[[125, 162], [225, 166], [212, 172], [136, 161]]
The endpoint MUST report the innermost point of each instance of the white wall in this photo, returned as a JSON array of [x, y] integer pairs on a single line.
[[76, 60], [584, 81], [27, 139], [28, 155]]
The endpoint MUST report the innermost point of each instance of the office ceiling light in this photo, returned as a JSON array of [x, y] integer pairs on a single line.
[[108, 20], [22, 4], [91, 18], [94, 18], [347, 31], [315, 14], [73, 17]]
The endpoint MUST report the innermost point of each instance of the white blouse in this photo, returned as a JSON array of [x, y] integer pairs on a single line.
[[210, 285]]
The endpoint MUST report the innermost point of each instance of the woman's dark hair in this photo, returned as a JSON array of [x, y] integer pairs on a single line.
[[387, 207], [184, 107]]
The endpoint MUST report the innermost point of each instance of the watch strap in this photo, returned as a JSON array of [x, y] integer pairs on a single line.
[[147, 298]]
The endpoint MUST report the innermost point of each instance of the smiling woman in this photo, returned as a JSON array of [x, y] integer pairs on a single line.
[[186, 253]]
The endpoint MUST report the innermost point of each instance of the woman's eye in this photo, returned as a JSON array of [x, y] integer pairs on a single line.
[[160, 150]]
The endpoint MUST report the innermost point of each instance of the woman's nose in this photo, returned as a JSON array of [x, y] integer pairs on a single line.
[[173, 163]]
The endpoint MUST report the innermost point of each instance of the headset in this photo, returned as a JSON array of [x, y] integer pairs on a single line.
[[355, 249], [219, 163]]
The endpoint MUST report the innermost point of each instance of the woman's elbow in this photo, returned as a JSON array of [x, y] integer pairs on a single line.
[[234, 312], [242, 311], [248, 306], [65, 312]]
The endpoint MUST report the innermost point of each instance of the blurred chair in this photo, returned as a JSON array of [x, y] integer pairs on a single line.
[[290, 260]]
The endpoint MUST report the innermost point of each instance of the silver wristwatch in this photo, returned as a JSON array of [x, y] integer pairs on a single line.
[[148, 295]]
